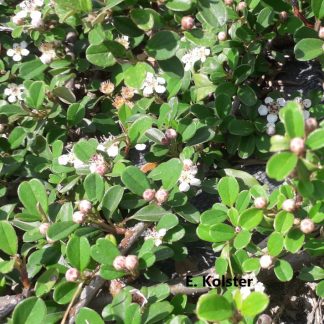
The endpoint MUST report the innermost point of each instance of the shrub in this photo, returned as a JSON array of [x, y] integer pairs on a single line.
[[115, 116]]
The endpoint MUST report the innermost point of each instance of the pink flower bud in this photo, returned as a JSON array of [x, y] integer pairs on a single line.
[[260, 202], [72, 274], [78, 217], [241, 6], [311, 123], [321, 33], [266, 261], [161, 196], [49, 240], [238, 229], [149, 194], [264, 319], [17, 20], [43, 228], [297, 145], [187, 22], [131, 262], [296, 221], [2, 128], [228, 2], [165, 141], [119, 263], [116, 286], [283, 16], [170, 134], [187, 164], [222, 36], [307, 226], [271, 130], [101, 169], [289, 205], [85, 206]]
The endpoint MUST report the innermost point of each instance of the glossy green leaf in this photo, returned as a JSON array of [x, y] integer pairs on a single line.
[[281, 165], [8, 238], [78, 252]]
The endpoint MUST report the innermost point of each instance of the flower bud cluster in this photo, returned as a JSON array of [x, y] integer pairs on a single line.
[[80, 216]]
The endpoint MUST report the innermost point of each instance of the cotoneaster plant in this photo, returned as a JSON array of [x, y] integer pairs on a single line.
[[115, 116]]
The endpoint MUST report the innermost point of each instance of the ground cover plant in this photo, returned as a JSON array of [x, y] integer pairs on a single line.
[[130, 133]]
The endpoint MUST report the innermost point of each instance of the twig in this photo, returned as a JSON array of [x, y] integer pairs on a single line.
[[299, 14], [91, 290], [75, 296], [181, 289]]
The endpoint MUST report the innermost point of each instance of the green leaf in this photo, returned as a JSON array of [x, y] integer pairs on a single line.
[[139, 127], [250, 218], [85, 149], [320, 289], [168, 172], [179, 5], [31, 194], [143, 18], [61, 230], [254, 304], [135, 75], [294, 120], [46, 282], [213, 12], [283, 222], [100, 55], [163, 45], [16, 137], [30, 311], [275, 244], [108, 272], [64, 291], [221, 232], [94, 187], [247, 95], [75, 114], [318, 8], [78, 252], [111, 200], [135, 180], [294, 240], [150, 213], [157, 312], [112, 3], [167, 222], [221, 266], [281, 165], [228, 189], [212, 307], [36, 94], [312, 273], [315, 139], [241, 127], [308, 49], [251, 264], [65, 94], [265, 17], [283, 270], [8, 238], [104, 251], [31, 69], [242, 239], [87, 316]]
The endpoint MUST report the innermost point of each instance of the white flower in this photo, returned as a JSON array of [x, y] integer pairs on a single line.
[[18, 51], [14, 92], [48, 53], [64, 159], [140, 147], [306, 114], [255, 285], [124, 40], [263, 110], [70, 158], [272, 118], [109, 145], [307, 103], [271, 129], [36, 18], [157, 236], [281, 102], [187, 177], [152, 83], [268, 100], [195, 55]]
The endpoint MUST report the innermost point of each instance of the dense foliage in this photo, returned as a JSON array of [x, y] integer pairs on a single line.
[[114, 115]]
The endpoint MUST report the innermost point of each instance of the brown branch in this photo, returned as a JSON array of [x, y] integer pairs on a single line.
[[300, 15], [91, 290]]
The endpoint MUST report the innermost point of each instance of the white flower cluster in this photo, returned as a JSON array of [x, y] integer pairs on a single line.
[[195, 55], [157, 236], [153, 84], [255, 285], [18, 50], [70, 158], [48, 53], [29, 8], [109, 146], [124, 40], [188, 176], [14, 92], [271, 109]]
